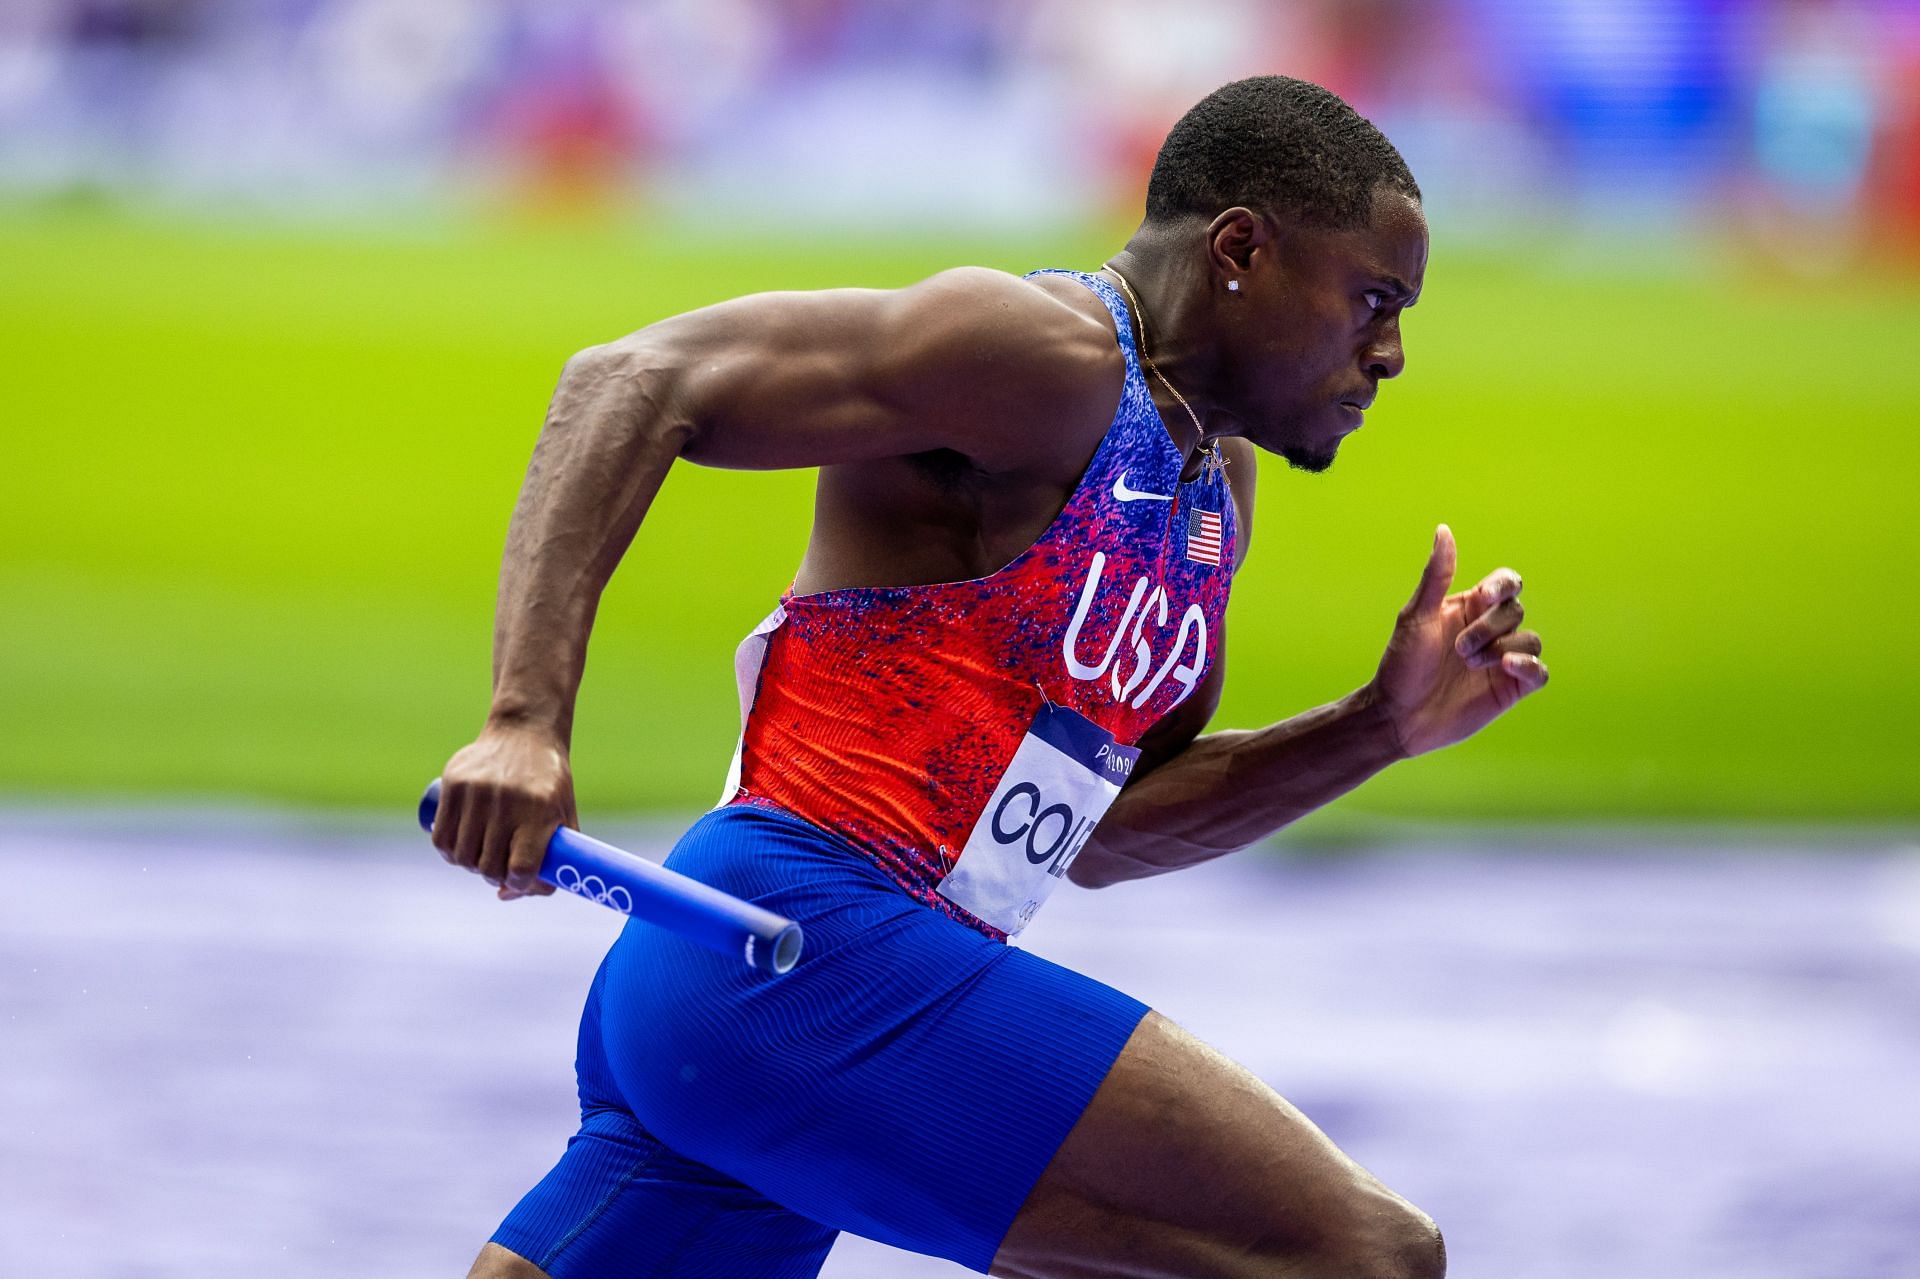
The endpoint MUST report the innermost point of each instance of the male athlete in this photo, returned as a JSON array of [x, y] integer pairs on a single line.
[[1007, 627]]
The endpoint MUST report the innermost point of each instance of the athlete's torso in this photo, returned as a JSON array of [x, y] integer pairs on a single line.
[[892, 716]]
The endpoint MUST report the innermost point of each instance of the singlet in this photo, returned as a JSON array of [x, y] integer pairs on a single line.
[[966, 736]]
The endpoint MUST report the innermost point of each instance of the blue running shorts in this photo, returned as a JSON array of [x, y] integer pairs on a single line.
[[908, 1081]]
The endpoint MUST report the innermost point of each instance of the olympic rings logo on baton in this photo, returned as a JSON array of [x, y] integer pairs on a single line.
[[593, 888]]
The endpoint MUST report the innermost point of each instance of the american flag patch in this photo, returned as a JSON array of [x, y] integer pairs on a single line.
[[1203, 537]]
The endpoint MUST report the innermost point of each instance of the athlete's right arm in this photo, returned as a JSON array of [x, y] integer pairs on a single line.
[[965, 361]]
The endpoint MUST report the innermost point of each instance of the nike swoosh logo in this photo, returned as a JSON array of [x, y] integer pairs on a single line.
[[1125, 494]]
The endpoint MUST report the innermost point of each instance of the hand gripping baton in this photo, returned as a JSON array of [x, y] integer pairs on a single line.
[[633, 886]]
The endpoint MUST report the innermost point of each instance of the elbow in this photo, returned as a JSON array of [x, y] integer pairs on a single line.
[[629, 381], [1084, 877], [592, 376], [607, 369], [587, 363], [1097, 867], [594, 370], [1102, 866]]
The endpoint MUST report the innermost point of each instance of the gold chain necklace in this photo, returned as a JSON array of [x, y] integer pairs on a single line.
[[1215, 462]]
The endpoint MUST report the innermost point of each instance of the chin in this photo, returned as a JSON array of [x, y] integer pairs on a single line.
[[1307, 442], [1313, 461]]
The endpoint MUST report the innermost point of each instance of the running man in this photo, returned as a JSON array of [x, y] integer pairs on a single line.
[[1007, 626]]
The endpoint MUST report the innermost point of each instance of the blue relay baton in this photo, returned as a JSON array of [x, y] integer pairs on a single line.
[[633, 886]]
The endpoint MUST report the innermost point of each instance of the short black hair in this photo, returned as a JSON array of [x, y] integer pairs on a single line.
[[1276, 144]]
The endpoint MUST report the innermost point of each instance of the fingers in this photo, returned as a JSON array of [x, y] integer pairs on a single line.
[[501, 798], [1494, 589], [495, 847], [458, 834], [507, 892], [506, 852], [1438, 575], [1495, 624], [1525, 670], [512, 856], [523, 865], [471, 829], [500, 830], [1527, 642]]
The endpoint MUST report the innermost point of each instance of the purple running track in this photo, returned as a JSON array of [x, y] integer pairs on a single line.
[[241, 1045]]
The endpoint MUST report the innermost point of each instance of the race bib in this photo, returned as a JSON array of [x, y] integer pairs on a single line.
[[1059, 784]]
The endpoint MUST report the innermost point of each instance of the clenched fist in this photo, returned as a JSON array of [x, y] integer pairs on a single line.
[[501, 799]]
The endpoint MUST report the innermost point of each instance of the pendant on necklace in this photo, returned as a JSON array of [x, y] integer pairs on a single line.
[[1215, 463]]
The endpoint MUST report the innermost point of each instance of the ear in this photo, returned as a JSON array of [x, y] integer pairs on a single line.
[[1232, 240]]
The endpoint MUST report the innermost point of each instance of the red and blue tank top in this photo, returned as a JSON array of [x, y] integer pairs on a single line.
[[966, 736]]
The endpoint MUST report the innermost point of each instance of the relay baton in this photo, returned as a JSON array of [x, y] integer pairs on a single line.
[[634, 886]]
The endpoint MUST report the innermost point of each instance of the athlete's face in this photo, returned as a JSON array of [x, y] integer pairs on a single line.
[[1315, 328]]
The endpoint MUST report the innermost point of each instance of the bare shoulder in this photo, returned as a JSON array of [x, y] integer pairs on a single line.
[[1008, 353], [1012, 317], [968, 361]]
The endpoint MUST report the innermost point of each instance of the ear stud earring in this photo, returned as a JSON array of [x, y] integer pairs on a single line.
[[1233, 286]]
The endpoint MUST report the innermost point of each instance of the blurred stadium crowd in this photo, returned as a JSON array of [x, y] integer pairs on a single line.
[[960, 112]]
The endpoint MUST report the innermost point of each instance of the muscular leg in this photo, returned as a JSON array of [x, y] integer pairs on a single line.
[[1186, 1166]]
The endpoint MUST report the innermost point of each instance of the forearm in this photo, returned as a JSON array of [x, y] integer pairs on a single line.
[[1230, 789], [610, 438]]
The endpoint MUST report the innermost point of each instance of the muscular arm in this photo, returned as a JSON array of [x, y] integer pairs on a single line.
[[964, 362], [1453, 664], [960, 362], [1224, 791]]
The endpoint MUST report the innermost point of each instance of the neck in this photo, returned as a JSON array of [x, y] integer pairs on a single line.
[[1165, 279]]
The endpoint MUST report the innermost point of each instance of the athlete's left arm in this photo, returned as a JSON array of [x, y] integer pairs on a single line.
[[1455, 662]]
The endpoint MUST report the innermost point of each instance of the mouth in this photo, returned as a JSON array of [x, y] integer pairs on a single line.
[[1356, 406]]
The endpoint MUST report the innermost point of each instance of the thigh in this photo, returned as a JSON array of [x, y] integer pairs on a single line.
[[908, 1081], [1185, 1163], [620, 1202]]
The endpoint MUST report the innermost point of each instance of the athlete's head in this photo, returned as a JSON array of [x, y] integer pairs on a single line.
[[1314, 241]]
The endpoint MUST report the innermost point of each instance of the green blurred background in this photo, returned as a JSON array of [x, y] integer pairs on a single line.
[[258, 483]]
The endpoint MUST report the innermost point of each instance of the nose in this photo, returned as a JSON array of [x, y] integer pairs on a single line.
[[1385, 356]]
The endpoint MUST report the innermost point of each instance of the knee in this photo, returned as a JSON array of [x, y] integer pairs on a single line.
[[1394, 1241], [1416, 1249], [1388, 1238]]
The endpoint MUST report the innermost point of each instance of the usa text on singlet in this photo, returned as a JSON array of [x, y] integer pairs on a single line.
[[968, 736]]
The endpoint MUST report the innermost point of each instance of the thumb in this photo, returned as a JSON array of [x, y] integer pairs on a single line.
[[1438, 575]]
